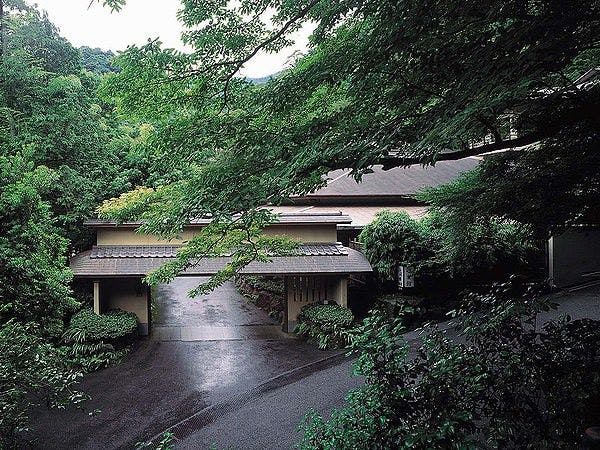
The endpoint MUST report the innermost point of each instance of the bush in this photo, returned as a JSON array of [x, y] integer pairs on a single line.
[[328, 325], [265, 292], [501, 384], [446, 256], [32, 374], [97, 341], [393, 238], [114, 326]]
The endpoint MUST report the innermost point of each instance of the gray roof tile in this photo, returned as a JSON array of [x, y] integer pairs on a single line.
[[396, 182], [284, 219], [115, 261]]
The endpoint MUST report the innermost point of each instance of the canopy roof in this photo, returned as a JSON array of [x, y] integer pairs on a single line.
[[361, 215], [286, 218], [138, 261]]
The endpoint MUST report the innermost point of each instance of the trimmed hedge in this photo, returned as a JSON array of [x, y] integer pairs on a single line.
[[115, 325], [328, 325], [93, 341]]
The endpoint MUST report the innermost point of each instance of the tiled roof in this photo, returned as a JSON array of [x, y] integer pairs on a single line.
[[285, 218], [134, 251], [114, 261], [170, 251], [361, 215], [396, 182]]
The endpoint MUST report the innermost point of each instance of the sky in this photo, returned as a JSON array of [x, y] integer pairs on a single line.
[[139, 21]]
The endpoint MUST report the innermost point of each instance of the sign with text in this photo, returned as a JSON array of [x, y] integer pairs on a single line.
[[406, 277]]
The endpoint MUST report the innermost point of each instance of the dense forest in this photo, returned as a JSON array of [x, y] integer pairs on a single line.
[[164, 137], [63, 151]]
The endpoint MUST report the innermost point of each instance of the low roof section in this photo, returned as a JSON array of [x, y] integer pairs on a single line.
[[361, 215], [138, 261], [285, 218]]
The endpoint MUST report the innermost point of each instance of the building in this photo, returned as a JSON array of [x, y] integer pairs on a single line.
[[318, 270], [392, 190], [324, 222]]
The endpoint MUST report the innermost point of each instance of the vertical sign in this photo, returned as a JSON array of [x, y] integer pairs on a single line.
[[406, 277]]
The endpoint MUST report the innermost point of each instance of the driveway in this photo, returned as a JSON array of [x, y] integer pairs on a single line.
[[281, 410], [203, 351]]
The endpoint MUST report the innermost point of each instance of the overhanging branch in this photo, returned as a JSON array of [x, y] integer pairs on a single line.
[[389, 162]]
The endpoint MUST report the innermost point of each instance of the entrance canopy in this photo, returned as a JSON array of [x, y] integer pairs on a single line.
[[104, 261]]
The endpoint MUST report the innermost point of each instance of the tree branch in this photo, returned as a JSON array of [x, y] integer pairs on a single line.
[[240, 62], [389, 162]]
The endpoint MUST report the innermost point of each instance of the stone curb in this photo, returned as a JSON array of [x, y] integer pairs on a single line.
[[207, 415]]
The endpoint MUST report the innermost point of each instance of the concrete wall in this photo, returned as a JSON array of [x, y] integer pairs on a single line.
[[302, 290], [128, 236], [128, 294], [305, 233], [573, 256]]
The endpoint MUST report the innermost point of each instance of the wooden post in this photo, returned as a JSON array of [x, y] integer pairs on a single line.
[[97, 297]]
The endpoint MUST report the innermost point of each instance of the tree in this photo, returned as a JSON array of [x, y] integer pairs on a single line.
[[50, 105], [97, 60], [501, 383], [32, 373], [388, 82], [34, 285]]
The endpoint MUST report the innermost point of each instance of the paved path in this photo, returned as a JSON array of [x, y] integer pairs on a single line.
[[221, 316], [164, 381], [280, 411], [271, 421]]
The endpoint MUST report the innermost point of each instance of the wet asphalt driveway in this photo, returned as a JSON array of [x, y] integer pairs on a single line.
[[202, 351]]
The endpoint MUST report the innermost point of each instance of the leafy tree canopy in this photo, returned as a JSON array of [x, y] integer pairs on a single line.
[[97, 60], [389, 82], [49, 105]]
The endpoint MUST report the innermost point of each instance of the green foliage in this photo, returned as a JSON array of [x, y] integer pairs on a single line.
[[382, 82], [112, 326], [48, 105], [96, 341], [264, 283], [97, 61], [32, 374], [265, 292], [394, 239], [553, 183], [165, 443], [443, 251], [34, 279], [502, 383], [328, 325]]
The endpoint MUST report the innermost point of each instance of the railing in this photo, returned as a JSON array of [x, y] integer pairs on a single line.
[[355, 245]]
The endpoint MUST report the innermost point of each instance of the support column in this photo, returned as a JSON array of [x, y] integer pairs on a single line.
[[300, 291], [97, 297], [340, 292]]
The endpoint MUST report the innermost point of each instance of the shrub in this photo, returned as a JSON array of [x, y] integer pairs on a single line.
[[265, 292], [328, 325], [32, 374], [392, 238], [114, 326], [501, 384], [447, 256], [97, 341]]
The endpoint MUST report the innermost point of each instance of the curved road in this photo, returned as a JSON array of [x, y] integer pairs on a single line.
[[203, 351]]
